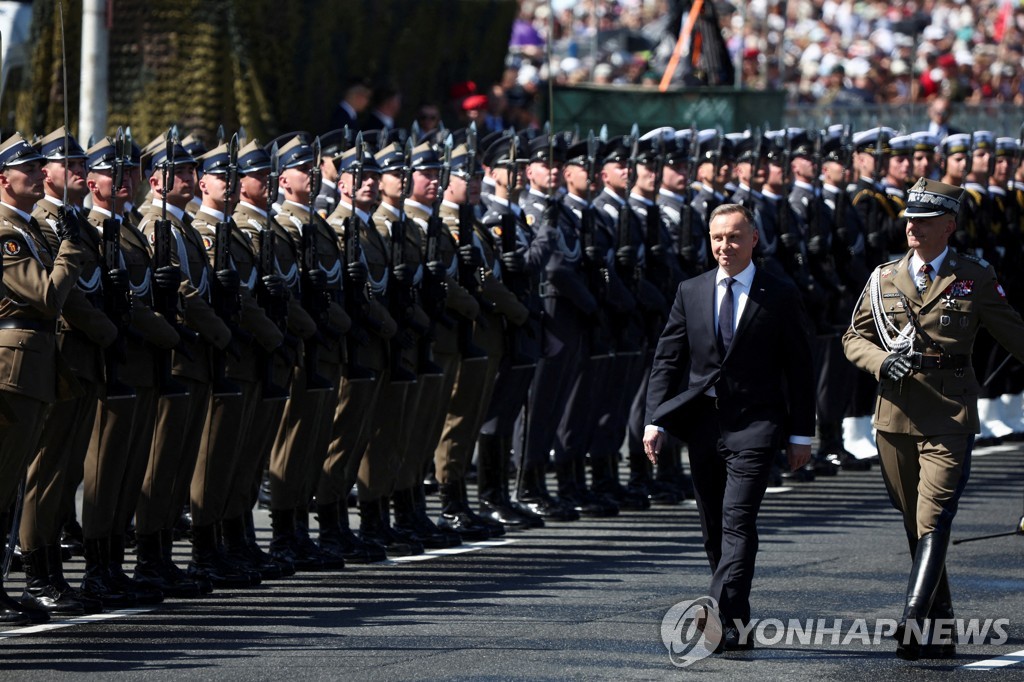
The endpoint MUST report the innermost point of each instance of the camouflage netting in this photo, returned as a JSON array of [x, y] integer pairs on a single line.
[[264, 64]]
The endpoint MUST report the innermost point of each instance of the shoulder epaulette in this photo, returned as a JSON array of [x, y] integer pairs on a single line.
[[975, 259]]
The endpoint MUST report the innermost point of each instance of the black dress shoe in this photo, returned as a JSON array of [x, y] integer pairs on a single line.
[[731, 640], [944, 651], [12, 617]]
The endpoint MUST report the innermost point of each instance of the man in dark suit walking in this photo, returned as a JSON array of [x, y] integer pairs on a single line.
[[732, 377]]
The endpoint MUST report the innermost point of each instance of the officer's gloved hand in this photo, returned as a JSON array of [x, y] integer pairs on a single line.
[[118, 280], [228, 280], [595, 254], [896, 367], [876, 240], [513, 262], [68, 227], [790, 240], [437, 269], [625, 256], [168, 277], [816, 245], [403, 273], [844, 235], [551, 210], [469, 256], [316, 278], [274, 286], [356, 273], [688, 254], [658, 251]]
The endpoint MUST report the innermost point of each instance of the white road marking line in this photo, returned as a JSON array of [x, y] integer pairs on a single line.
[[997, 662], [771, 490], [462, 549], [81, 620]]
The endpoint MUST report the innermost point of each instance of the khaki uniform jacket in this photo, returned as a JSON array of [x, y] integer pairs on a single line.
[[293, 218], [458, 301], [85, 329], [37, 286], [149, 327], [374, 355], [963, 297], [189, 254], [251, 317]]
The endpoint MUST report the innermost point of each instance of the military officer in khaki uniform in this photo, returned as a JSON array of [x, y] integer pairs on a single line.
[[357, 399], [56, 470], [280, 295], [300, 446], [230, 416], [38, 282], [123, 430], [914, 329], [180, 419]]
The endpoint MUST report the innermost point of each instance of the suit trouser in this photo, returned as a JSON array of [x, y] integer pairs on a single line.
[[215, 475], [578, 424], [18, 443], [729, 487], [511, 387], [616, 397], [834, 375], [435, 394], [350, 434], [172, 457], [389, 435], [61, 455]]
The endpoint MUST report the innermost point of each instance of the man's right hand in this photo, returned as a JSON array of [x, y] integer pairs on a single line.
[[68, 228], [654, 439], [896, 367], [168, 277]]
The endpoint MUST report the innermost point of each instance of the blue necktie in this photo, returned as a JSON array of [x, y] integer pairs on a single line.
[[726, 315]]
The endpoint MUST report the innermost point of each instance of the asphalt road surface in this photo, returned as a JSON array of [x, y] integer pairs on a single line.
[[583, 600]]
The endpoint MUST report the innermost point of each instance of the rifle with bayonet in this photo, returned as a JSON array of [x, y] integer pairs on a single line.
[[595, 266], [165, 293], [357, 300], [273, 301], [401, 288], [224, 292], [517, 281], [117, 293], [690, 251], [434, 290], [316, 298], [470, 272], [627, 263]]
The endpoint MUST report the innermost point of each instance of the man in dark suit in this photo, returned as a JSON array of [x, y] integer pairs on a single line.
[[732, 378]]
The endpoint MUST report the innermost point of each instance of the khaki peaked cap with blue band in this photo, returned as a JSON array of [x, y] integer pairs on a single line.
[[930, 198]]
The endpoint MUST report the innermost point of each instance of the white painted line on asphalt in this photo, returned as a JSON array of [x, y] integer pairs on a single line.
[[83, 620], [462, 549], [772, 489], [997, 662]]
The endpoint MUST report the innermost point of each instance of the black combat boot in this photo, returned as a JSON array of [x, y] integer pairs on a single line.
[[455, 515], [424, 523], [533, 494], [72, 539], [173, 574], [605, 474], [97, 582], [374, 530], [144, 593], [929, 563], [492, 487], [40, 592], [304, 544], [208, 564], [236, 549], [336, 537], [407, 521], [12, 612], [55, 567]]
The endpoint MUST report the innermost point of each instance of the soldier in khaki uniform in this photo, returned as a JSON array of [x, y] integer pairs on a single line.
[[56, 470], [280, 296], [38, 281], [230, 415], [180, 419], [123, 430], [914, 329], [357, 399], [300, 446], [434, 391]]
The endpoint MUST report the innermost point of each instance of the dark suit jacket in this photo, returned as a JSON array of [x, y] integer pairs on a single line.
[[764, 384]]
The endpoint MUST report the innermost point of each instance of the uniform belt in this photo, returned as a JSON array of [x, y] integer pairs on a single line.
[[547, 290], [25, 323], [924, 361]]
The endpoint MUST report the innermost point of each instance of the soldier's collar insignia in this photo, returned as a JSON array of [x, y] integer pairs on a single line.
[[11, 248], [530, 219]]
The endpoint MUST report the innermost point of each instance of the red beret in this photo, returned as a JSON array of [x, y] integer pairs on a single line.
[[474, 102]]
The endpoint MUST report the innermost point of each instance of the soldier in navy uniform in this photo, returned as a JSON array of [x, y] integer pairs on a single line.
[[876, 213], [922, 164], [685, 225], [709, 185], [522, 269], [568, 307], [894, 183]]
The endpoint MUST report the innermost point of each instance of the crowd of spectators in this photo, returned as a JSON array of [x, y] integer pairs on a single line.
[[826, 51]]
